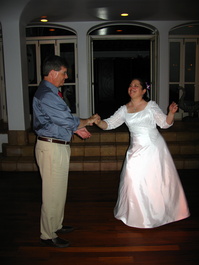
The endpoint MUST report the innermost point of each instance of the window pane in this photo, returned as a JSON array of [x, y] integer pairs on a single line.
[[174, 62], [122, 30], [67, 51], [32, 90], [46, 50], [190, 91], [31, 57], [70, 97], [47, 31], [174, 93], [190, 53], [186, 30]]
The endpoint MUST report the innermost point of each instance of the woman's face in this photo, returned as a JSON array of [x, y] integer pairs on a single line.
[[135, 89]]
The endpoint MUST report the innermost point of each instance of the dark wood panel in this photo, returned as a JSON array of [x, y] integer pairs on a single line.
[[99, 238]]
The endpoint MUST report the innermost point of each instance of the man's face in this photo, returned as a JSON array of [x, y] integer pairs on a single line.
[[60, 76]]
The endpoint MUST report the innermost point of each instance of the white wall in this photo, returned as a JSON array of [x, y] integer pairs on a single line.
[[15, 64], [163, 28]]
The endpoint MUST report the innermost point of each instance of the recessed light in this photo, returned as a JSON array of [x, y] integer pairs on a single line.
[[44, 20], [124, 15]]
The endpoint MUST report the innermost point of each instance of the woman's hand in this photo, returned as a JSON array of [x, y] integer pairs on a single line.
[[98, 120], [173, 107]]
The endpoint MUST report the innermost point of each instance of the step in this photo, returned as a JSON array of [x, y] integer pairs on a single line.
[[102, 149], [100, 136], [105, 150], [110, 163], [183, 148], [115, 163]]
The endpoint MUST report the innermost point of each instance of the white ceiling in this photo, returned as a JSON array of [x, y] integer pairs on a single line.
[[95, 10]]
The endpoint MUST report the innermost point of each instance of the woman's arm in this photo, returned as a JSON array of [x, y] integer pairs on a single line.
[[114, 121], [172, 110], [101, 124]]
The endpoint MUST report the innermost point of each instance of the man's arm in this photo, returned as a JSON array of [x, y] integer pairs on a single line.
[[88, 122]]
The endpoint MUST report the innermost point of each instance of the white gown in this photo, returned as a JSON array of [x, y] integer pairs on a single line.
[[150, 192]]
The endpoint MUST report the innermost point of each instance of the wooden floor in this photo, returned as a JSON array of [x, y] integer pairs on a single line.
[[99, 238]]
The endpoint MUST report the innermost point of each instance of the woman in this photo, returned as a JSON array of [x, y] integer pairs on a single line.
[[150, 192]]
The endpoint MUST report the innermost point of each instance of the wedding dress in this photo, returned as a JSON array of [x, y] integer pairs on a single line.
[[150, 192]]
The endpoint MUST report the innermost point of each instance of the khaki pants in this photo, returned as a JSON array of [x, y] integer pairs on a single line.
[[53, 161]]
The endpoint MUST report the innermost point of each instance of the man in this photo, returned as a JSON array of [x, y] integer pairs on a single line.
[[54, 125]]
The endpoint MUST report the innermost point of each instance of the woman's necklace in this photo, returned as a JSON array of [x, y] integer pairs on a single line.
[[135, 107]]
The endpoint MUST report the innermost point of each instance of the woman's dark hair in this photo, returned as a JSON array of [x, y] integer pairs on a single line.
[[53, 62], [144, 85]]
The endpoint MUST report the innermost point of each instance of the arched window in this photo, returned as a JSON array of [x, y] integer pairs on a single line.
[[184, 66], [44, 41]]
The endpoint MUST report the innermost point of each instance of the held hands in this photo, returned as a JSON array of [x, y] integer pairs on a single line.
[[173, 108], [93, 119], [82, 132], [98, 120]]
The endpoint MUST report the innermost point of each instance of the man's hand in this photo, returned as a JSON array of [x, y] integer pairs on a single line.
[[83, 133]]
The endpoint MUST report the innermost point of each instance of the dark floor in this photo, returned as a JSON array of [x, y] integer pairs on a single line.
[[99, 238]]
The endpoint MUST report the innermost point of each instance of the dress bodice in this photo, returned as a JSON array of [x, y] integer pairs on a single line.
[[145, 120]]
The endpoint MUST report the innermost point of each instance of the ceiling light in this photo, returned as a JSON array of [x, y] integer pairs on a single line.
[[44, 20], [124, 15]]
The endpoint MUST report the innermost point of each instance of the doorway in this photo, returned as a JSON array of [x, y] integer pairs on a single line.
[[116, 60]]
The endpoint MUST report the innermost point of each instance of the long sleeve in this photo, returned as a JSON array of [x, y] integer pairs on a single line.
[[117, 119], [159, 116], [51, 115]]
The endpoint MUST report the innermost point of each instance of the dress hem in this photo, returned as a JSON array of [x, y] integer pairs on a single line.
[[138, 227]]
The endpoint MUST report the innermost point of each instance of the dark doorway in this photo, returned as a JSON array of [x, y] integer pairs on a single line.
[[116, 62]]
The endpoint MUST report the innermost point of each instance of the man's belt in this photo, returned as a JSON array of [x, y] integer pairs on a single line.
[[52, 140]]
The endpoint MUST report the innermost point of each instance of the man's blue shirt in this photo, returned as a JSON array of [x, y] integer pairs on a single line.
[[51, 115]]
